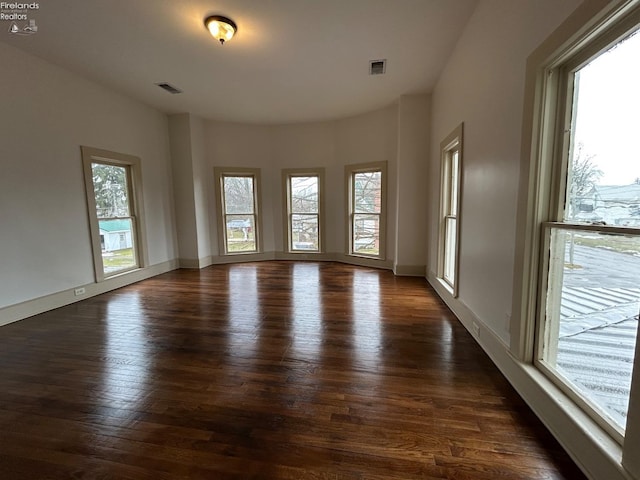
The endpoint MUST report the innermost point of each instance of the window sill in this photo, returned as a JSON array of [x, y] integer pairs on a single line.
[[447, 286], [123, 273]]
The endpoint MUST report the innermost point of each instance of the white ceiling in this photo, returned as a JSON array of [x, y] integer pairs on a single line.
[[290, 61]]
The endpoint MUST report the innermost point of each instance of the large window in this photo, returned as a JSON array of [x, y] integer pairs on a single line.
[[115, 210], [590, 258], [451, 167], [238, 193], [303, 204], [366, 193]]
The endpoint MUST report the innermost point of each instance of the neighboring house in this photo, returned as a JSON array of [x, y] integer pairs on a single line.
[[612, 204], [115, 235]]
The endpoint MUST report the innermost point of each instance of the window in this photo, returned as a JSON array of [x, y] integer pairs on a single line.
[[304, 213], [450, 173], [115, 211], [366, 193], [238, 193], [589, 263]]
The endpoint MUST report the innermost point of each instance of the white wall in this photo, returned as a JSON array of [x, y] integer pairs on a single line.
[[310, 145], [183, 186], [413, 152], [483, 86], [370, 137], [239, 145], [202, 178], [47, 113], [191, 180]]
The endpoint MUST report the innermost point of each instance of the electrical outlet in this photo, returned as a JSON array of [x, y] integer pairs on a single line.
[[79, 291], [476, 329]]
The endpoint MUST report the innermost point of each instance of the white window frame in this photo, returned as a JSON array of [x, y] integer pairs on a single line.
[[220, 173], [450, 207], [350, 173], [287, 175], [133, 167], [542, 204]]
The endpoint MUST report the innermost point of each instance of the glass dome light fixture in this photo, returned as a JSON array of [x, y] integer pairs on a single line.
[[221, 28]]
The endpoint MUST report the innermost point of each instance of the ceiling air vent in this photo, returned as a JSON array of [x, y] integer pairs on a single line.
[[377, 67], [169, 88]]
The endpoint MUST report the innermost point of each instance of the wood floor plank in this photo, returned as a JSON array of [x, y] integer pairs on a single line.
[[271, 370]]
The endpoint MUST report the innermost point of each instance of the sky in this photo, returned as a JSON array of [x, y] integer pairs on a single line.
[[608, 115]]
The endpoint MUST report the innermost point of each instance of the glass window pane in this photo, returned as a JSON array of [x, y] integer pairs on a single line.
[[117, 242], [453, 202], [238, 195], [450, 250], [241, 233], [304, 194], [366, 234], [110, 190], [367, 189], [304, 232], [592, 315], [604, 174]]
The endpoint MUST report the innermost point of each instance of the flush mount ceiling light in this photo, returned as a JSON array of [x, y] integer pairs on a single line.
[[222, 28]]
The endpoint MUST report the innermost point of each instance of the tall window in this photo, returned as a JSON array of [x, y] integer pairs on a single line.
[[238, 193], [115, 205], [590, 259], [366, 193], [303, 191], [451, 167]]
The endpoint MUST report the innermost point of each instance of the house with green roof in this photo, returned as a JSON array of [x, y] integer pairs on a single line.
[[115, 234]]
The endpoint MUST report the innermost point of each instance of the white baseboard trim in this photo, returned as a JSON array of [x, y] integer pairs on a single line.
[[240, 258], [189, 263], [195, 263], [410, 270], [23, 310], [317, 257], [363, 261], [593, 450], [304, 256]]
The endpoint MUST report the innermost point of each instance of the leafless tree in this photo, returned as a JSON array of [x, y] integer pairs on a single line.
[[110, 190], [238, 195], [583, 177]]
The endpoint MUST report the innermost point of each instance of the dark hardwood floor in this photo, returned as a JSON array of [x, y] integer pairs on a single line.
[[274, 370]]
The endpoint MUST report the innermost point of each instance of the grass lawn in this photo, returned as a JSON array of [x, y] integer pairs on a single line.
[[118, 259], [236, 241], [616, 243], [242, 246]]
